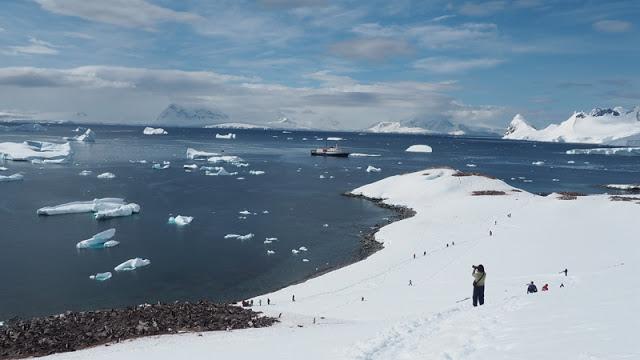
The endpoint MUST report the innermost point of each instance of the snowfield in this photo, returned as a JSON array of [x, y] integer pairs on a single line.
[[367, 310]]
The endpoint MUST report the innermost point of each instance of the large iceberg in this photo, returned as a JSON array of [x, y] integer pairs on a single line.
[[180, 220], [100, 240], [132, 264], [154, 131], [34, 150], [87, 136], [95, 206], [193, 154], [14, 177]]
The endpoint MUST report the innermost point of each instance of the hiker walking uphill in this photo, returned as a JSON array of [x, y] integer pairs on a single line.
[[478, 284]]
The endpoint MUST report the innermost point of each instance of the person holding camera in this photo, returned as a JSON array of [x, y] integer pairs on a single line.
[[478, 284]]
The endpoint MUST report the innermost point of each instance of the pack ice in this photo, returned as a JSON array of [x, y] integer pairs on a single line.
[[34, 150], [100, 240], [103, 208], [132, 264]]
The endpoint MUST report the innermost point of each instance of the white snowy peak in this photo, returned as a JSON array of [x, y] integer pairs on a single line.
[[183, 115], [609, 126], [394, 127]]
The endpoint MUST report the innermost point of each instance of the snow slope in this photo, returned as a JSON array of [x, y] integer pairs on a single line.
[[394, 127], [592, 317], [616, 126]]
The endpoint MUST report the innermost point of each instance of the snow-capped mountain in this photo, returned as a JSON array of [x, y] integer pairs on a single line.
[[239, 126], [286, 123], [616, 126], [420, 126], [181, 115], [395, 127]]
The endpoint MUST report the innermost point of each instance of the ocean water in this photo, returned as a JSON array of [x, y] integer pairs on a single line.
[[41, 271]]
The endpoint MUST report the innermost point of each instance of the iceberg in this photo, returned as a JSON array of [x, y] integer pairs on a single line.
[[256, 172], [231, 159], [219, 171], [538, 163], [239, 237], [165, 165], [106, 175], [270, 252], [77, 207], [373, 169], [85, 173], [624, 187], [244, 212], [334, 138], [190, 166], [154, 131], [419, 149], [180, 220], [303, 248], [294, 251], [2, 168], [122, 210], [132, 264], [87, 136], [34, 150], [363, 155], [228, 136], [193, 154], [14, 177], [98, 240], [101, 276], [606, 151]]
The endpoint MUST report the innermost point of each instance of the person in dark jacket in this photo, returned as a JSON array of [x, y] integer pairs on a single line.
[[478, 284], [532, 288]]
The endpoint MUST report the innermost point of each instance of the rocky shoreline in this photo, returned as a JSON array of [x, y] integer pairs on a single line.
[[73, 331]]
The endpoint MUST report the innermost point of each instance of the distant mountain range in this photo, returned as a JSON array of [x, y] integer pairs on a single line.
[[609, 126], [437, 126], [189, 116]]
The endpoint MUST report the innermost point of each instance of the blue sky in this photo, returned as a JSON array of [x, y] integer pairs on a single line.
[[324, 63]]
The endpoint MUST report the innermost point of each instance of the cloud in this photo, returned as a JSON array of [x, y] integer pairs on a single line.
[[376, 49], [35, 47], [482, 8], [126, 13], [447, 65], [612, 26]]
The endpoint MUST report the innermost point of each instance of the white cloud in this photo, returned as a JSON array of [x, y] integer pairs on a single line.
[[371, 48], [35, 47], [447, 65], [127, 13], [612, 26], [482, 8]]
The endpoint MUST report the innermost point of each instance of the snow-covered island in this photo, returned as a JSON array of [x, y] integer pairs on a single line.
[[410, 300], [617, 126]]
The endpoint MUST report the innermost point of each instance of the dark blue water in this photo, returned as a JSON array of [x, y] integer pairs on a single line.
[[41, 271]]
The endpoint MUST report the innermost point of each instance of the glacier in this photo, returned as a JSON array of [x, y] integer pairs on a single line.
[[99, 240], [132, 264], [34, 150]]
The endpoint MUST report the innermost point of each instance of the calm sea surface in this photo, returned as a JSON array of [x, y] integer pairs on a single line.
[[42, 272]]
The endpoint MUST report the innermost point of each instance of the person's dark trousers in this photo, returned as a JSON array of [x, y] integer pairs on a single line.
[[478, 295]]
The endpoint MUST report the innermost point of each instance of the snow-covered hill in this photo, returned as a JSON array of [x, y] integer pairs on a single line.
[[182, 115], [616, 126], [238, 126], [368, 310]]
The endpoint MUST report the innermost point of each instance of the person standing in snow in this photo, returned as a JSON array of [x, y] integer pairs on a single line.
[[532, 288], [478, 284], [545, 287], [565, 271]]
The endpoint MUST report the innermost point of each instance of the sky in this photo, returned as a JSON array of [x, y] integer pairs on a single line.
[[327, 64]]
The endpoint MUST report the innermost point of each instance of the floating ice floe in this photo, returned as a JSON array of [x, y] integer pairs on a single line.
[[270, 252], [158, 166], [14, 177], [240, 178], [190, 166], [85, 173], [219, 171], [270, 240], [294, 251], [100, 240], [228, 136], [239, 237], [471, 165], [101, 276], [538, 163], [265, 211], [231, 159], [132, 264], [138, 161], [87, 136], [305, 260], [244, 212], [154, 131], [373, 169], [571, 162], [2, 168], [334, 138], [303, 248], [122, 210], [180, 220], [555, 180], [363, 155], [419, 149], [256, 172], [325, 225], [106, 175], [193, 154], [95, 206], [606, 151], [34, 150], [626, 187]]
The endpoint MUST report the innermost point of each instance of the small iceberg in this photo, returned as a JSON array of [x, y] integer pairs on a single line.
[[239, 237], [165, 165], [629, 151], [538, 163], [190, 166], [305, 260], [363, 155], [419, 149], [88, 136], [2, 168], [132, 264], [99, 240], [101, 276], [228, 136], [373, 169], [193, 154], [154, 131], [233, 160], [106, 176], [256, 172], [471, 165], [303, 248], [219, 171], [244, 212], [294, 251], [270, 252], [85, 173], [334, 138], [14, 177], [180, 220]]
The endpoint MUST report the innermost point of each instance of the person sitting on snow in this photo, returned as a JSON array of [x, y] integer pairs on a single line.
[[532, 288], [545, 287]]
